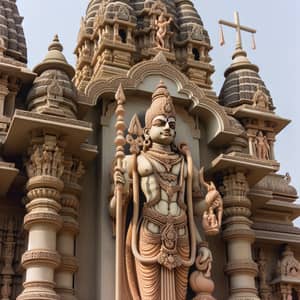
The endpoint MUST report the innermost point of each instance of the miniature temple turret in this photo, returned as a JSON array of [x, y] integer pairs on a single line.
[[114, 36], [193, 45], [53, 92], [13, 75]]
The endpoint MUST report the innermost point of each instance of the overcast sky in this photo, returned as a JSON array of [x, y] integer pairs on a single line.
[[277, 55]]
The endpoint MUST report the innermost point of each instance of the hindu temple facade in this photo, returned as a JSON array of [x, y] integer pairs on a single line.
[[63, 127]]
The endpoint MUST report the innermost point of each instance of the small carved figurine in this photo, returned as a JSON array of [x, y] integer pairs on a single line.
[[161, 26], [212, 217], [262, 146]]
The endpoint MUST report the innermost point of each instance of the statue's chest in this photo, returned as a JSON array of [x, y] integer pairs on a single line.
[[167, 168]]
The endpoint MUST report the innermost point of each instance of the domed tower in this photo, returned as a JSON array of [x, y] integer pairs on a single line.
[[53, 91], [13, 75], [105, 43], [248, 101], [251, 103], [13, 59], [114, 36]]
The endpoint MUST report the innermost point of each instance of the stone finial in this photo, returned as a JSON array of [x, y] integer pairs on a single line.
[[55, 60], [55, 45]]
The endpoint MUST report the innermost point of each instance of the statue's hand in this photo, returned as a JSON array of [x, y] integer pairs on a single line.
[[205, 254], [204, 260], [119, 176], [211, 197]]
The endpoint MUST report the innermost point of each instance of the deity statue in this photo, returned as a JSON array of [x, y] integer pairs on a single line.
[[161, 26], [163, 186], [262, 146]]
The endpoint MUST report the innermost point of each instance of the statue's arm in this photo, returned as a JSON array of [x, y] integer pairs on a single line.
[[199, 202]]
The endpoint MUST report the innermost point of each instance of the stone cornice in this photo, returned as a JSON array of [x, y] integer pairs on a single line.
[[24, 123]]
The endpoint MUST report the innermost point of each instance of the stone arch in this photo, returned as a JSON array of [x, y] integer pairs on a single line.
[[196, 99]]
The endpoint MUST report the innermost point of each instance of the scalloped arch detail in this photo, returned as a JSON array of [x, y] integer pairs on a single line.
[[161, 67]]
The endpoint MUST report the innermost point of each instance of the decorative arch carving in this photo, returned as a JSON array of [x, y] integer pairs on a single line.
[[199, 103]]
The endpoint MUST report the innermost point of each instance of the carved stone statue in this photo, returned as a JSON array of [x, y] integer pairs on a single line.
[[162, 238], [161, 26], [260, 99], [262, 146]]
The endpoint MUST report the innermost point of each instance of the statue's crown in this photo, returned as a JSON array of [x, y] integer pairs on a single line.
[[162, 104]]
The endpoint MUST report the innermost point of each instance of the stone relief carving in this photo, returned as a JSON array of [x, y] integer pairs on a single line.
[[262, 146], [265, 290], [123, 13], [161, 26], [212, 217], [288, 266], [12, 242], [197, 32], [161, 240], [260, 99], [45, 159]]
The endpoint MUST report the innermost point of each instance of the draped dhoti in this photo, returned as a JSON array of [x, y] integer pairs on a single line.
[[167, 279]]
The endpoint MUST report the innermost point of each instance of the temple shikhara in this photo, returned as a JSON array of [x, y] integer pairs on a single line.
[[128, 177]]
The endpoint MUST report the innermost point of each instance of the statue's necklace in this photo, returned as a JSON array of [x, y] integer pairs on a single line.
[[167, 159]]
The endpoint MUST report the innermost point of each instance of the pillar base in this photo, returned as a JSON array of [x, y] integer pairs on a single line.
[[38, 291], [245, 297]]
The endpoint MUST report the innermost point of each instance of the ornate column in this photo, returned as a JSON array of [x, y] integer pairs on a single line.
[[3, 92], [239, 236], [44, 168], [265, 290], [64, 276], [8, 271]]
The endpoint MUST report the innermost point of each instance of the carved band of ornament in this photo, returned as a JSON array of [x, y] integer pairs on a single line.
[[43, 192], [235, 233], [70, 201], [72, 188], [42, 203], [236, 201], [241, 266], [68, 263], [244, 290], [72, 227], [42, 218], [40, 256], [45, 181], [237, 211], [69, 213]]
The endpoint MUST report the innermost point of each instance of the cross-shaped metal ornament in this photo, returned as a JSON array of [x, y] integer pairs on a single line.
[[238, 27]]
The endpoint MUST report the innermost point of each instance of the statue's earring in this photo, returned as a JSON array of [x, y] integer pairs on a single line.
[[147, 142]]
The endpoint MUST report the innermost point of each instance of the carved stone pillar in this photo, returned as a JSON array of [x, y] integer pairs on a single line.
[[8, 271], [265, 290], [44, 168], [3, 93], [252, 136], [64, 276], [271, 141], [239, 236]]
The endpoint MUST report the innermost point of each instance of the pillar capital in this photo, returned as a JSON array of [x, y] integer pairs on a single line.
[[239, 236]]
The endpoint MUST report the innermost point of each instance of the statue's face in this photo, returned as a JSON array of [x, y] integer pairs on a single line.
[[162, 130]]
